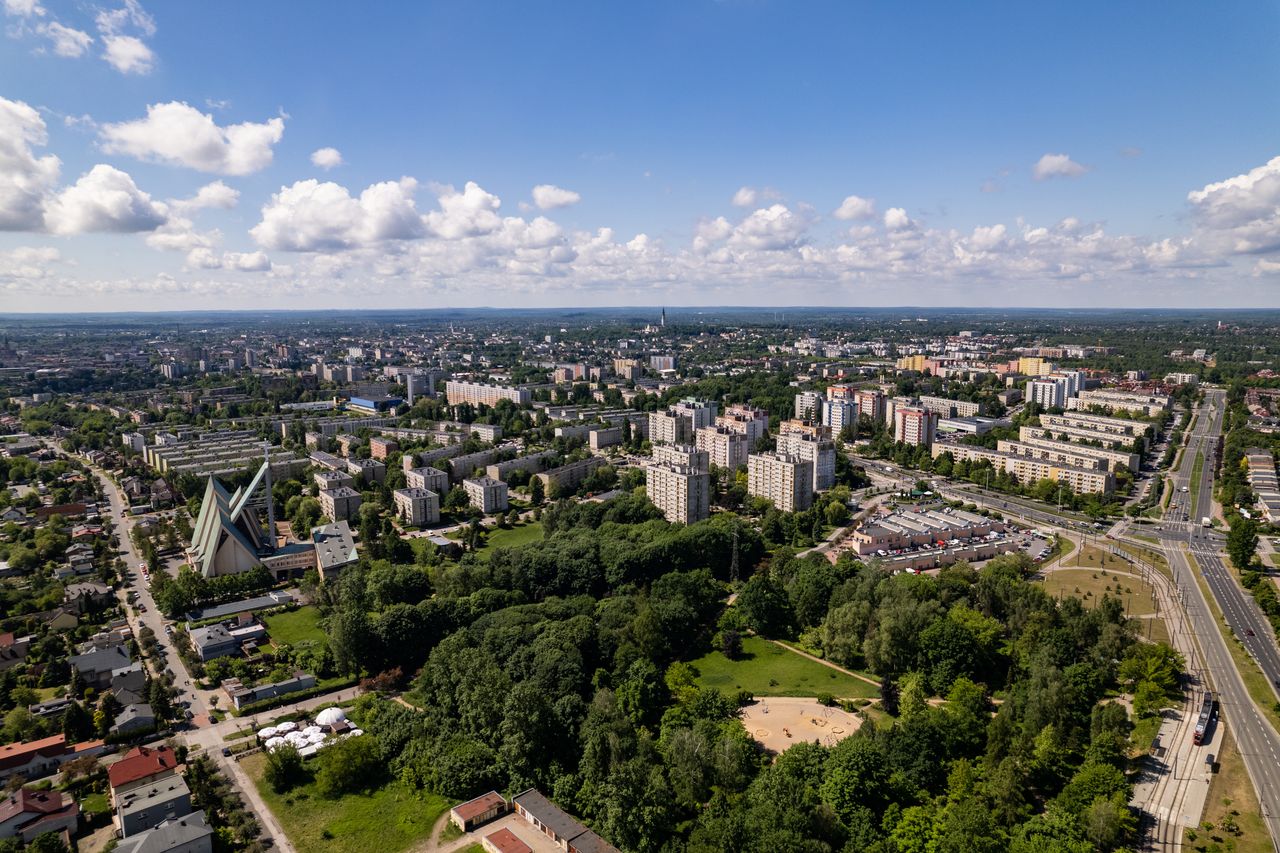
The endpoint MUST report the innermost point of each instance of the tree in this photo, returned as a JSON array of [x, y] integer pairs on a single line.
[[76, 723], [351, 764], [765, 606], [1242, 542], [537, 493], [284, 768]]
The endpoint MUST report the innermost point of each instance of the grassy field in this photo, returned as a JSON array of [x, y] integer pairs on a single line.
[[1093, 557], [1090, 585], [1231, 801], [1254, 680], [1150, 556], [1197, 468], [511, 537], [295, 626], [95, 803], [767, 669], [391, 819]]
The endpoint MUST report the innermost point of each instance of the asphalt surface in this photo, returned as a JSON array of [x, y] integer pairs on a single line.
[[1258, 741]]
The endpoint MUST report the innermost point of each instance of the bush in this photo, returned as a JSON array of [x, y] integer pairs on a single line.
[[284, 769]]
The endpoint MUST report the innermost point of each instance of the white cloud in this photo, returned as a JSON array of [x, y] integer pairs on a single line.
[[180, 134], [856, 207], [23, 8], [469, 213], [128, 54], [550, 197], [66, 41], [311, 216], [1241, 214], [104, 199], [213, 195], [207, 259], [770, 228], [1057, 166], [28, 262], [745, 197], [326, 158], [25, 179], [179, 234], [896, 219]]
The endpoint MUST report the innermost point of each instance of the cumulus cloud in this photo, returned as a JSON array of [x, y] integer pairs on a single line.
[[1057, 166], [179, 134], [745, 197], [315, 216], [1241, 214], [104, 199], [64, 40], [25, 179], [770, 228], [469, 213], [326, 158], [856, 207], [122, 31], [213, 195], [896, 219], [550, 197]]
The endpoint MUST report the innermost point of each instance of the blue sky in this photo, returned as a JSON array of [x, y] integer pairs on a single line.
[[1156, 128]]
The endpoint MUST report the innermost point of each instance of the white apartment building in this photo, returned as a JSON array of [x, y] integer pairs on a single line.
[[1112, 399], [681, 492], [431, 479], [681, 454], [1097, 423], [809, 406], [725, 447], [1048, 449], [670, 427], [1047, 393], [913, 425], [701, 413], [818, 450], [1028, 470], [417, 507], [787, 481], [840, 413], [486, 494], [478, 393]]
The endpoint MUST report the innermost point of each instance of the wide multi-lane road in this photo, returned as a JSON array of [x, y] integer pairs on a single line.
[[1182, 535]]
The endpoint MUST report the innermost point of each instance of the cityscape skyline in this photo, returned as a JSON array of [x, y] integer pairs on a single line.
[[716, 154]]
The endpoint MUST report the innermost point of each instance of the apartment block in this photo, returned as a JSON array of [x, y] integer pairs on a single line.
[[870, 404], [417, 507], [486, 494], [569, 477], [948, 408], [808, 406], [332, 479], [839, 414], [1112, 399], [681, 454], [1063, 433], [785, 480], [816, 449], [380, 447], [682, 492], [1028, 470], [752, 422], [431, 479], [915, 426], [340, 504], [1109, 459], [478, 393], [1098, 423], [726, 448], [367, 470], [670, 427]]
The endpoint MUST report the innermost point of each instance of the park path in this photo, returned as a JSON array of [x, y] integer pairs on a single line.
[[817, 659]]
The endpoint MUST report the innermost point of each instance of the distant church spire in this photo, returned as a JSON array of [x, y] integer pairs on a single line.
[[664, 317]]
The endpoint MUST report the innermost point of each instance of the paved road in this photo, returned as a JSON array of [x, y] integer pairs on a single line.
[[1258, 741]]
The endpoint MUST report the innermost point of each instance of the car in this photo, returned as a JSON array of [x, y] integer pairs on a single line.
[[226, 752], [1249, 631]]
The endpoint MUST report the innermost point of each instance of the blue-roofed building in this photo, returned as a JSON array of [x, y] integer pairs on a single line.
[[375, 405]]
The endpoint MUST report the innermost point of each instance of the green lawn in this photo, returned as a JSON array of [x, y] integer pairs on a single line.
[[1197, 468], [294, 626], [391, 819], [95, 804], [766, 669], [511, 537]]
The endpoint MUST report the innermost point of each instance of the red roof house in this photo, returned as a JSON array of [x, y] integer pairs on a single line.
[[25, 814]]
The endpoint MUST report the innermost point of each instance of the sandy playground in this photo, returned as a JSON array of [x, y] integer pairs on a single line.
[[777, 722]]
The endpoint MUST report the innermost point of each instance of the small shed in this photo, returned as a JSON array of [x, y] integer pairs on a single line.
[[467, 816]]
